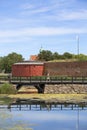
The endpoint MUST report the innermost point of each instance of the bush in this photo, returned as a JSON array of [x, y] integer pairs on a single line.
[[7, 89]]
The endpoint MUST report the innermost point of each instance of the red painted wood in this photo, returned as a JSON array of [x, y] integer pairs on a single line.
[[27, 70]]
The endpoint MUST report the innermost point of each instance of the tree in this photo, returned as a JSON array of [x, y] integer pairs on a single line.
[[82, 57], [56, 56], [45, 55], [67, 55], [7, 61]]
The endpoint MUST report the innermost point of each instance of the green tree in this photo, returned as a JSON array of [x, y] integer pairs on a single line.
[[82, 57], [7, 61], [56, 56], [67, 55], [45, 55]]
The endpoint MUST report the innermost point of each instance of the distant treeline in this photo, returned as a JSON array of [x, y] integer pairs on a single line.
[[46, 55], [6, 62]]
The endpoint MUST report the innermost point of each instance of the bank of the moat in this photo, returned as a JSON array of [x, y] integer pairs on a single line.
[[65, 93], [66, 88], [56, 89]]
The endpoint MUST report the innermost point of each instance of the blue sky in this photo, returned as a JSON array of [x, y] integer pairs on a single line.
[[26, 25]]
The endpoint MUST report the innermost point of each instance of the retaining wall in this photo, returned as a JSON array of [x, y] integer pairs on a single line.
[[66, 88]]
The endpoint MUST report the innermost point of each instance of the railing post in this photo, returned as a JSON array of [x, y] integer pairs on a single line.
[[72, 80], [61, 79], [30, 79], [20, 79], [40, 79], [9, 79], [82, 79]]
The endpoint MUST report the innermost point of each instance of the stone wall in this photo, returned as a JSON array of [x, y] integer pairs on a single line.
[[78, 68], [66, 88]]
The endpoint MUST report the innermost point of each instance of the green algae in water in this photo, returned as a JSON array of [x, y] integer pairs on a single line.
[[5, 100], [8, 123]]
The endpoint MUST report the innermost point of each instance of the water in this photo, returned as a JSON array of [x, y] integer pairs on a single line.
[[43, 117]]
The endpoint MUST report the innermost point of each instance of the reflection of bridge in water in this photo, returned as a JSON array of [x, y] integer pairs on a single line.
[[23, 105]]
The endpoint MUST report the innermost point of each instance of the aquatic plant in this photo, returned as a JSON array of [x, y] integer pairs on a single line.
[[7, 89], [7, 122]]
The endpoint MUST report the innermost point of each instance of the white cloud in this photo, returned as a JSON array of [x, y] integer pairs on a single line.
[[40, 31], [38, 10], [32, 9], [67, 15], [27, 6], [73, 15], [61, 11], [41, 7]]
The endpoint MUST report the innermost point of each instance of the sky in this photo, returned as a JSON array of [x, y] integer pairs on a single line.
[[26, 26]]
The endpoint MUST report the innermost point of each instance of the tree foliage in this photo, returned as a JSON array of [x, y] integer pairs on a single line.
[[82, 57], [56, 56], [46, 55], [67, 55], [7, 61]]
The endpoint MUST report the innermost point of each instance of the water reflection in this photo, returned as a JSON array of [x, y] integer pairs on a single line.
[[43, 116], [40, 105]]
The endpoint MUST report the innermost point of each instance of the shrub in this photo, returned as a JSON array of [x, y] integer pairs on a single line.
[[7, 89]]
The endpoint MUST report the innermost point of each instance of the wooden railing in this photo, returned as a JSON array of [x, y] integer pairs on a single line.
[[28, 105], [44, 79]]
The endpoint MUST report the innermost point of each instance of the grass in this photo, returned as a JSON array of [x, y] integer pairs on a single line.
[[64, 60], [6, 99], [61, 97], [7, 89]]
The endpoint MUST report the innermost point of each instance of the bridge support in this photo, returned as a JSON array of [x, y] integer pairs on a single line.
[[18, 86], [40, 88]]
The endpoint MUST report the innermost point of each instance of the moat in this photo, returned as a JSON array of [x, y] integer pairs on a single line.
[[23, 115]]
